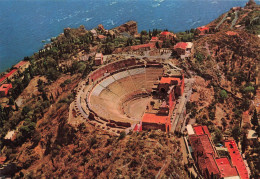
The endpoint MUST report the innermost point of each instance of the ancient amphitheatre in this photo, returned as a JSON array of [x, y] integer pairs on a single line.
[[115, 96]]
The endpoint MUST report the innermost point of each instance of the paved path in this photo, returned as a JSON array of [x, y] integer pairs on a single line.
[[224, 18], [234, 20]]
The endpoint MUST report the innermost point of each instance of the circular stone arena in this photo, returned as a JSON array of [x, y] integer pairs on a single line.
[[114, 97]]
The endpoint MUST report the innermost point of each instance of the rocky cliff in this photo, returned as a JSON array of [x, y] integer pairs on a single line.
[[129, 27]]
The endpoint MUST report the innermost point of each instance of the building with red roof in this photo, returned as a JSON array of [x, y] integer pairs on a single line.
[[102, 37], [183, 48], [155, 40], [19, 67], [209, 163], [231, 33], [237, 159], [159, 111], [165, 35], [143, 47], [226, 169], [202, 30], [9, 76], [22, 64], [4, 89]]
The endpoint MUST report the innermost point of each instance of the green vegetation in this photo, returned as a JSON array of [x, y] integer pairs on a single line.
[[254, 119], [187, 36], [199, 57], [252, 22], [223, 95]]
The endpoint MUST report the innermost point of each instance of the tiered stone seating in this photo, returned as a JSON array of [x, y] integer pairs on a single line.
[[106, 97], [152, 75]]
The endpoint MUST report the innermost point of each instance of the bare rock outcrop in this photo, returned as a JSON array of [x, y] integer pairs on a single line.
[[129, 27]]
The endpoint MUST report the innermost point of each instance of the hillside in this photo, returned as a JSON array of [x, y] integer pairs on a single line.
[[224, 65], [242, 18]]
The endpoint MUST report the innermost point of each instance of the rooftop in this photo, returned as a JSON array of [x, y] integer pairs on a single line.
[[203, 28], [21, 63], [231, 33], [101, 37], [236, 158], [154, 38], [201, 130], [99, 55], [169, 79], [252, 134], [225, 167], [136, 47], [166, 33], [7, 75], [154, 118], [182, 45]]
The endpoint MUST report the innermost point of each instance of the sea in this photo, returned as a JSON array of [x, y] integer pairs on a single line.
[[26, 25]]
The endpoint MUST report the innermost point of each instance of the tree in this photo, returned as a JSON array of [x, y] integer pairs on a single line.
[[11, 101], [26, 110], [236, 132], [244, 143], [224, 122], [218, 136], [199, 57], [223, 95], [254, 119], [258, 131]]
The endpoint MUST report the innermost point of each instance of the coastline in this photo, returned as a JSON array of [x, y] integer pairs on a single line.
[[52, 26]]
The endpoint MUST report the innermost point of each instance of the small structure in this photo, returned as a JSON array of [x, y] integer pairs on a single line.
[[99, 59], [9, 135], [94, 33], [101, 27], [165, 35], [102, 38], [155, 40], [4, 89], [231, 33], [236, 9], [252, 135], [183, 49], [202, 30], [143, 47]]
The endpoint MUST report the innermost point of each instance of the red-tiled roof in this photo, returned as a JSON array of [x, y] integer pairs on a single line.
[[169, 79], [225, 167], [21, 63], [154, 38], [231, 33], [10, 73], [5, 88], [204, 153], [236, 158], [203, 28], [198, 130], [101, 37], [166, 33], [2, 160], [206, 131], [136, 47], [181, 45], [7, 75], [153, 118], [2, 79]]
